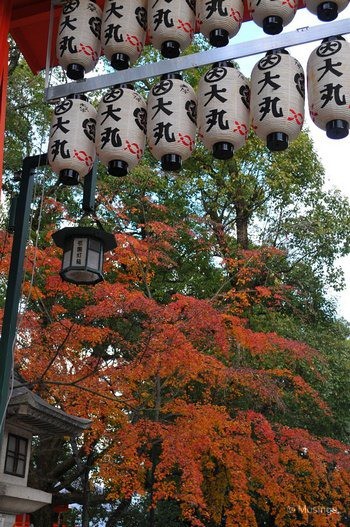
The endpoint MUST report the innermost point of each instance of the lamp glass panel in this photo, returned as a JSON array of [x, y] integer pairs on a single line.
[[79, 252]]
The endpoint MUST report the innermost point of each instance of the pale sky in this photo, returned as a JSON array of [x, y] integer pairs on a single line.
[[334, 154]]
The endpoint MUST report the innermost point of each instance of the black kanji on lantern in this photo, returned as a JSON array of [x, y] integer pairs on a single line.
[[89, 127], [214, 93], [140, 115], [330, 66], [63, 107], [163, 130], [111, 135], [215, 6], [114, 10], [215, 75], [67, 44], [191, 109], [245, 95], [59, 148], [95, 26], [216, 118], [59, 125], [162, 87], [71, 6], [68, 22], [191, 4], [331, 92], [326, 49], [113, 95], [162, 16], [268, 81], [161, 106], [269, 61], [112, 31], [268, 105], [111, 112], [299, 79], [141, 17]]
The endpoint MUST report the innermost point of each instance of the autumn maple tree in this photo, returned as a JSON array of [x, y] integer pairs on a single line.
[[213, 367]]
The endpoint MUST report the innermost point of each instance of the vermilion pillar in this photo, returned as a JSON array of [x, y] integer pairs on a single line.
[[5, 18]]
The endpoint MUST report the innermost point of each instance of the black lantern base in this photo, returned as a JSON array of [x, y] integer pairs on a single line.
[[223, 150], [171, 162], [69, 177], [337, 129], [272, 25], [327, 11], [75, 72], [170, 49], [117, 168], [277, 141], [219, 38], [120, 61]]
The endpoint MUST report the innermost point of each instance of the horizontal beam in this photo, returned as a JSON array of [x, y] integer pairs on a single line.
[[230, 52]]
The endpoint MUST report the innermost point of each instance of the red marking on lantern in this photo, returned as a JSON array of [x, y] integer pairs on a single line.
[[134, 41], [84, 157], [297, 117], [242, 129], [89, 51], [186, 140], [185, 26], [198, 24], [313, 114], [254, 126], [236, 15], [134, 149]]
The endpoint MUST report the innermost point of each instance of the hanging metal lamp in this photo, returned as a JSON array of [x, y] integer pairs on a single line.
[[83, 253]]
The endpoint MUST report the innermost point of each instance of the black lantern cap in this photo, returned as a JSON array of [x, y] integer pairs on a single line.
[[223, 64], [277, 141], [327, 11], [272, 25], [222, 150], [337, 129], [117, 168], [69, 177], [170, 49], [75, 72], [171, 75], [120, 61], [108, 240], [171, 162], [219, 38]]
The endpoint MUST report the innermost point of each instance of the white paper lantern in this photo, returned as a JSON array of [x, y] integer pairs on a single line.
[[328, 74], [219, 22], [171, 25], [272, 15], [124, 26], [78, 44], [171, 121], [327, 10], [121, 130], [277, 99], [223, 110], [71, 151]]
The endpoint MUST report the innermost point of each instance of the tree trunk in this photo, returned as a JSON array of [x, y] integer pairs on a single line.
[[242, 218]]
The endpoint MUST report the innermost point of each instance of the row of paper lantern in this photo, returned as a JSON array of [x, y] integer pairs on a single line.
[[226, 105], [121, 28]]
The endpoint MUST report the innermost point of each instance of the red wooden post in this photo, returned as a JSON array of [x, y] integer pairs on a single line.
[[5, 18]]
